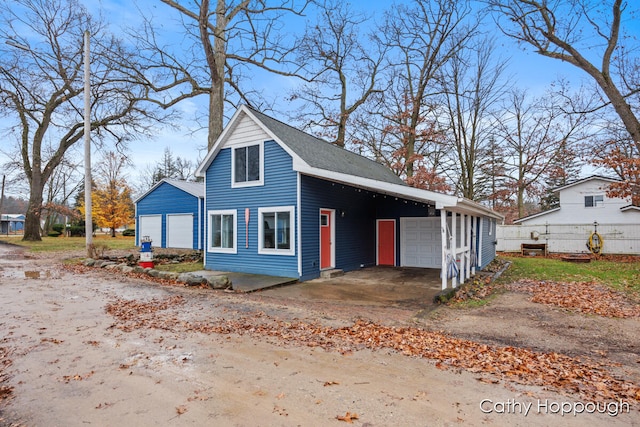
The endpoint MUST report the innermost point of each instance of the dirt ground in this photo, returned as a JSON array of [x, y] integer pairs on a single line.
[[76, 363]]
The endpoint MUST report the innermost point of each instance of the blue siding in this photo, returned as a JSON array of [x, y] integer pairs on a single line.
[[355, 244], [354, 233], [167, 199], [279, 189], [488, 248]]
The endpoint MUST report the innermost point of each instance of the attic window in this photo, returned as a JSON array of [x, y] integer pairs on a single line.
[[247, 165], [594, 201]]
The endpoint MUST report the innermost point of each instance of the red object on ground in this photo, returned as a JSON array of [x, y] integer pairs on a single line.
[[146, 264]]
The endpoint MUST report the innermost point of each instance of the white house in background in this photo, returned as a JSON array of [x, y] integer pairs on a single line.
[[585, 201], [584, 209]]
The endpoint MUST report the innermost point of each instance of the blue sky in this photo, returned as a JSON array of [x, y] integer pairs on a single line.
[[527, 69], [531, 71]]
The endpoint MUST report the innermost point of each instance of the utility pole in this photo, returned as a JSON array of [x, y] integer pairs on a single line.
[[88, 231]]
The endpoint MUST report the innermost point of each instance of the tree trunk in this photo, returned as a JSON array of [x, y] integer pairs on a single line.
[[34, 210], [216, 113]]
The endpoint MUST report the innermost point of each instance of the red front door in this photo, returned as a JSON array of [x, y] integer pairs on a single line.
[[326, 239], [386, 242]]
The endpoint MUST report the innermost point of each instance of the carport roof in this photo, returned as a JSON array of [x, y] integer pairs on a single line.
[[315, 157]]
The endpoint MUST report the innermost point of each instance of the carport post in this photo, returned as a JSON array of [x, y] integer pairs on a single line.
[[443, 232], [454, 244], [463, 248], [472, 228], [467, 253]]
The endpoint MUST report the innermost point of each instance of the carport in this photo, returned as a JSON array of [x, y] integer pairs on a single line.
[[413, 288], [446, 230]]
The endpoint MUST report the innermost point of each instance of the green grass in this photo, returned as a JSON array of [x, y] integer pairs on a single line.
[[185, 267], [63, 244], [620, 275]]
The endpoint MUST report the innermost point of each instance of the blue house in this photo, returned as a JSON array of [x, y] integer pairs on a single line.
[[281, 202], [11, 223], [171, 213]]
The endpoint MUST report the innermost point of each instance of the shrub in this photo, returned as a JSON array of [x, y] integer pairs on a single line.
[[76, 231], [53, 233], [58, 227], [129, 232]]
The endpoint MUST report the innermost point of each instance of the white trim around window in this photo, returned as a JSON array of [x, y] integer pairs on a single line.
[[594, 201], [222, 237], [247, 182], [276, 230]]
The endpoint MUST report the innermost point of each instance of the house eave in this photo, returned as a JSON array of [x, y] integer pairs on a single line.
[[440, 201]]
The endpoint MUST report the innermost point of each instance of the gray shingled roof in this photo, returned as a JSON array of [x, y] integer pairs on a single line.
[[193, 188], [321, 154]]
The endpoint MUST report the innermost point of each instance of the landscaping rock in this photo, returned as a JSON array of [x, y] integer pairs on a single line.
[[125, 268], [151, 272], [218, 282], [191, 279], [169, 275], [89, 262], [109, 265]]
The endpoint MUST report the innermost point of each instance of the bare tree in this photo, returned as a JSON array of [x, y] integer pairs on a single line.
[[583, 34], [221, 42], [345, 67], [422, 39], [530, 135], [473, 85], [41, 88], [63, 183]]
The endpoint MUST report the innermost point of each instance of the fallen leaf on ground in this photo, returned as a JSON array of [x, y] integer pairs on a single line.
[[517, 365], [348, 417], [586, 297]]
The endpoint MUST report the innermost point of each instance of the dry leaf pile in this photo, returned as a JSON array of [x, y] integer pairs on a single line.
[[556, 371], [586, 297]]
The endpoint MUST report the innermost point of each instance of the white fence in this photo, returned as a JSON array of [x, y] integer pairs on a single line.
[[570, 238]]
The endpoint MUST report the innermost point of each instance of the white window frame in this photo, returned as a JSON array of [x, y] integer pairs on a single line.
[[292, 234], [596, 203], [256, 183], [210, 248]]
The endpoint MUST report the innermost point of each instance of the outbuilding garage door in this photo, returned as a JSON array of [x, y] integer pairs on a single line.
[[420, 242], [180, 231], [151, 225]]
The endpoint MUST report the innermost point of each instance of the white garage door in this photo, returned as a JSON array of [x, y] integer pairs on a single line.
[[420, 242], [151, 225], [180, 231]]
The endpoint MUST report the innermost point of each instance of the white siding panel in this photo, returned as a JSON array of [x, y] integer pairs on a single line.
[[180, 231], [246, 131], [572, 207]]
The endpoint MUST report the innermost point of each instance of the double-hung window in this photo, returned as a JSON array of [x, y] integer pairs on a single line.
[[222, 231], [247, 165], [594, 201], [276, 231]]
